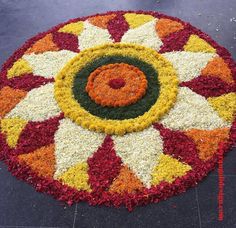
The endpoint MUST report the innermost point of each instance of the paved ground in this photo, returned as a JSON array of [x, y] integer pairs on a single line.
[[21, 206]]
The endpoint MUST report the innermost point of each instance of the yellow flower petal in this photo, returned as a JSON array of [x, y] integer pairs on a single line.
[[168, 169]]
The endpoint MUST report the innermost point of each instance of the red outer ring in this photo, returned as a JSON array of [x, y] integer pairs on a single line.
[[155, 194]]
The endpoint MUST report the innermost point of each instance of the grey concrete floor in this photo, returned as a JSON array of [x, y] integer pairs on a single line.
[[21, 206]]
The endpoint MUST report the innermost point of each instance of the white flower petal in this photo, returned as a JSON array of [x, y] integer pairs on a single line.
[[49, 63], [188, 64], [145, 35], [38, 105], [74, 144], [92, 36], [140, 151], [192, 111]]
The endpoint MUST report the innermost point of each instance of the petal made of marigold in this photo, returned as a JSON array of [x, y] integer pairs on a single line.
[[12, 129], [73, 28], [168, 169], [76, 177], [49, 63], [9, 98], [20, 67], [196, 44], [104, 166], [188, 64], [101, 21], [218, 68], [165, 27], [135, 20], [38, 105], [140, 152], [207, 141], [144, 35], [92, 36], [225, 105], [192, 111], [41, 161], [127, 181], [43, 45], [74, 144]]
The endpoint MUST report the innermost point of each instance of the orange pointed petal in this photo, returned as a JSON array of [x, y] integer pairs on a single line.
[[207, 141], [41, 161], [101, 21], [9, 98], [42, 45], [218, 68], [165, 27], [126, 182]]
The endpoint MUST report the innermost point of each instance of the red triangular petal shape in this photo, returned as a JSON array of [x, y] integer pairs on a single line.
[[66, 41], [37, 134], [175, 41], [118, 22], [208, 86], [179, 146], [28, 82], [104, 166]]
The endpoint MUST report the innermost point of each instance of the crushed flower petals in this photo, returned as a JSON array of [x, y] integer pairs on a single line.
[[122, 108]]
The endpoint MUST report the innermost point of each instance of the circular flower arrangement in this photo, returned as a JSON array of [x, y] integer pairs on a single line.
[[117, 108]]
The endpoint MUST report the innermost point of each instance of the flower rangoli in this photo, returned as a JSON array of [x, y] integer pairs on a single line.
[[122, 108]]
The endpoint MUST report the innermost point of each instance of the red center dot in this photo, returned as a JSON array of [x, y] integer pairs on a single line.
[[116, 83]]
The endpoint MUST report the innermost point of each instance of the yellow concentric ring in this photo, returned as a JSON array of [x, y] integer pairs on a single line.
[[73, 110]]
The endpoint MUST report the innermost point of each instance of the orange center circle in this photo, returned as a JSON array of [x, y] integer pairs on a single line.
[[116, 85]]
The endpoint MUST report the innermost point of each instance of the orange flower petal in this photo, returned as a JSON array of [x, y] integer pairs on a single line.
[[101, 21], [42, 45], [207, 141], [165, 27], [126, 182], [218, 68], [9, 98], [41, 160]]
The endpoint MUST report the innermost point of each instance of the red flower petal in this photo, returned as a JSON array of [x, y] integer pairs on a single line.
[[104, 166], [28, 82], [118, 22], [175, 41], [37, 134], [66, 41], [178, 145], [208, 86]]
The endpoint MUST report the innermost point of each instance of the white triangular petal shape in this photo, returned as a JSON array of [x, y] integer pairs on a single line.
[[49, 63], [38, 105], [92, 36], [74, 144], [145, 35], [140, 151], [188, 64], [192, 111]]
